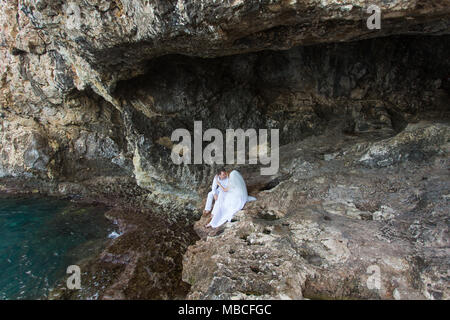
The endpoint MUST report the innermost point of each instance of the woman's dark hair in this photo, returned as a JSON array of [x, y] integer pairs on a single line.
[[220, 170]]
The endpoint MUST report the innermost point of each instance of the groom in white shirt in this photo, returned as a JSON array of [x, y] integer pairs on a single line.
[[222, 176]]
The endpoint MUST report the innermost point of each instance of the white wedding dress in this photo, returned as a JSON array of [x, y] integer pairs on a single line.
[[230, 202]]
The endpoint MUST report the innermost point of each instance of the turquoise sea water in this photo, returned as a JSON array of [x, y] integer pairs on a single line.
[[40, 238]]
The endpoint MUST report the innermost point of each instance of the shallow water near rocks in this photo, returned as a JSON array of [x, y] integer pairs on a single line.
[[40, 237]]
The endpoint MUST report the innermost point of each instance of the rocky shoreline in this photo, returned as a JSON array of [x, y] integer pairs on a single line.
[[143, 262], [341, 208]]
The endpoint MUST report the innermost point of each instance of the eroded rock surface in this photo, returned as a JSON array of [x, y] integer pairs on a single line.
[[105, 41], [324, 231]]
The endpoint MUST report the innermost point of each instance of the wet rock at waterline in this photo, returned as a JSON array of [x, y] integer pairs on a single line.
[[142, 261]]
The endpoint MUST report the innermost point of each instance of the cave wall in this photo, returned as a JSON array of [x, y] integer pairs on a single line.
[[98, 97], [365, 87], [106, 41]]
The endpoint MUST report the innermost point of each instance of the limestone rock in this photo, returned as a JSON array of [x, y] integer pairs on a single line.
[[348, 231], [416, 142]]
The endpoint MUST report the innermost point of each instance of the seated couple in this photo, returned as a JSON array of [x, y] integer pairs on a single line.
[[230, 195]]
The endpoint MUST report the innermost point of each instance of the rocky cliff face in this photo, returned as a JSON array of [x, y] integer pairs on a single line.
[[90, 92]]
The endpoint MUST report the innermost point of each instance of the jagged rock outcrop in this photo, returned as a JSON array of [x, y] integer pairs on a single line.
[[330, 230], [115, 36]]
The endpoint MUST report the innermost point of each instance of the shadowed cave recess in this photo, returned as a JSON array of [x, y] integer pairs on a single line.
[[366, 88]]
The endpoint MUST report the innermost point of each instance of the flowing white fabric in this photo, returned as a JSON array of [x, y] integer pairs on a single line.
[[215, 190], [230, 202]]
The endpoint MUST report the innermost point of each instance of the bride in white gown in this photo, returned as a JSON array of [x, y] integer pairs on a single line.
[[230, 201]]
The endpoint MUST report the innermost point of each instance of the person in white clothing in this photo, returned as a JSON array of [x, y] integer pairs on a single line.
[[232, 199], [222, 177]]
